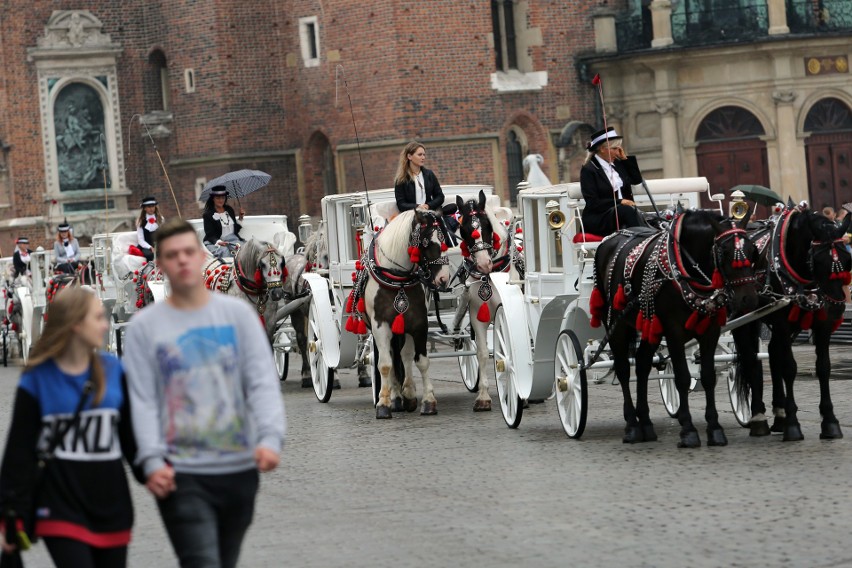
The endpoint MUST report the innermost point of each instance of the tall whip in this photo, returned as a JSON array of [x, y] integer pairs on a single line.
[[160, 158], [339, 70], [106, 192]]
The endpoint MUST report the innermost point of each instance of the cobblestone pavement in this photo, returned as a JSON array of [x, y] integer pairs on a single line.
[[459, 489]]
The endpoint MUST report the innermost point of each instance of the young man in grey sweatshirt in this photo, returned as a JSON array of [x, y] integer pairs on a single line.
[[206, 406]]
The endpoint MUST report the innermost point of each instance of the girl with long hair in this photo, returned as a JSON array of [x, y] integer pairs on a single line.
[[147, 223], [71, 413], [66, 250], [221, 224], [415, 187]]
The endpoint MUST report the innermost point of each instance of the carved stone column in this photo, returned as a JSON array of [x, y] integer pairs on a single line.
[[777, 17], [791, 151], [661, 17], [605, 38], [615, 116], [669, 139]]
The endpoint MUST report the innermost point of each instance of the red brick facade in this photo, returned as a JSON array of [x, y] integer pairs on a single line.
[[414, 70]]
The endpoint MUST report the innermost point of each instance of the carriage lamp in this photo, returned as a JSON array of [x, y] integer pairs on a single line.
[[739, 208], [305, 228], [358, 215], [556, 220]]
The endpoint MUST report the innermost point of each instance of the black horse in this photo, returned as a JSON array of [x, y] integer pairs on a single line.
[[802, 258], [676, 283]]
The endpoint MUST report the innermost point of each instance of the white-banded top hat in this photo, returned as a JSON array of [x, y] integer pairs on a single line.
[[219, 190], [22, 241], [602, 136], [149, 201], [64, 226]]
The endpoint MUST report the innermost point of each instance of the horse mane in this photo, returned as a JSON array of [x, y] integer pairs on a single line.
[[316, 245], [250, 261], [497, 226], [395, 236]]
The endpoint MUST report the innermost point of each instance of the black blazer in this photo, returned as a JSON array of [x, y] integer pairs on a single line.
[[20, 266], [213, 228], [405, 193], [597, 191]]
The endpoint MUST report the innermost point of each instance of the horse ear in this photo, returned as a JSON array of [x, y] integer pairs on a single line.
[[460, 204], [790, 203], [679, 208], [481, 200]]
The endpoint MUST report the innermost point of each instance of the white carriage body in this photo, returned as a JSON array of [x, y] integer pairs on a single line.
[[272, 229]]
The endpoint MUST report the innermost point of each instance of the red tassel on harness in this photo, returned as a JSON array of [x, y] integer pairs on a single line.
[[518, 231], [262, 320], [807, 320], [350, 301], [692, 321], [702, 326], [496, 241], [476, 234], [794, 314], [718, 282], [640, 321], [258, 277], [464, 249], [362, 306], [484, 314], [722, 316], [398, 326], [656, 329], [414, 254], [595, 322], [444, 247], [285, 274], [596, 302], [351, 326], [846, 278], [620, 300], [362, 327]]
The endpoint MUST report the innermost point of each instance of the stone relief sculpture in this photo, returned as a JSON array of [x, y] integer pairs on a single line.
[[78, 123]]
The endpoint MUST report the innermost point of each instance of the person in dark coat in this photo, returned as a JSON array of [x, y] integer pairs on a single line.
[[221, 224], [147, 224], [605, 181], [21, 257], [415, 187]]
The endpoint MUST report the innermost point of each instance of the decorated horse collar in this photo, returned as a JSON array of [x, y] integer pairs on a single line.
[[780, 263], [257, 286]]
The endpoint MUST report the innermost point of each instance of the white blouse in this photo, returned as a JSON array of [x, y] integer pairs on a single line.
[[227, 223], [612, 175]]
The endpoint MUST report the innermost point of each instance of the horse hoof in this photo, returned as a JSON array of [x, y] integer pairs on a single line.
[[830, 431], [364, 382], [335, 385], [759, 428], [779, 424], [793, 433], [397, 405], [482, 405], [429, 408], [716, 438], [307, 383], [383, 413], [689, 440], [648, 433], [409, 404], [632, 435]]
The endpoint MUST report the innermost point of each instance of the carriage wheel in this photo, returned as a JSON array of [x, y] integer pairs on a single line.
[[668, 387], [468, 364], [282, 363], [572, 394], [741, 405], [321, 376], [5, 345], [504, 371], [375, 376]]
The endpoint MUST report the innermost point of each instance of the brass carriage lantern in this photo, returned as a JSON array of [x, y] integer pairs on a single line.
[[358, 215], [555, 220], [739, 207], [305, 229]]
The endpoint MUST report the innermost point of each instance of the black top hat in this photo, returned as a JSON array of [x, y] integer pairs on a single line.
[[64, 226], [602, 136], [149, 201], [22, 241], [219, 190]]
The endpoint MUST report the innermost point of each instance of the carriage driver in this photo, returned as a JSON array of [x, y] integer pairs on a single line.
[[147, 224], [221, 226], [21, 258], [605, 181], [66, 251]]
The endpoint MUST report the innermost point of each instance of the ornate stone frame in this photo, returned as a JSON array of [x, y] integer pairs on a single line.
[[74, 50]]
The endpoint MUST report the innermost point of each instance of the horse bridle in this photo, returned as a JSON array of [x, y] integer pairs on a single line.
[[419, 273]]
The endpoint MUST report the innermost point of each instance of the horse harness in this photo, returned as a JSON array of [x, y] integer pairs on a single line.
[[220, 276], [468, 273]]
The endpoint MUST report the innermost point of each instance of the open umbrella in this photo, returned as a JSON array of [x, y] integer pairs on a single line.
[[239, 183], [759, 194]]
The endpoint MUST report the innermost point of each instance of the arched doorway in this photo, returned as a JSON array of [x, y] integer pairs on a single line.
[[320, 173], [829, 152], [730, 151]]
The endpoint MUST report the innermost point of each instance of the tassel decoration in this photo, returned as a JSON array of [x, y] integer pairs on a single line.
[[398, 326], [496, 241], [476, 234], [640, 321], [692, 321], [620, 300], [795, 313], [595, 322], [596, 302], [361, 305], [351, 326], [414, 255], [258, 277], [362, 327], [717, 282], [444, 247], [484, 313], [518, 231], [464, 249], [807, 320], [358, 265], [349, 302]]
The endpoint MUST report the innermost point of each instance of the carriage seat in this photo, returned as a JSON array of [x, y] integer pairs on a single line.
[[123, 262], [581, 238]]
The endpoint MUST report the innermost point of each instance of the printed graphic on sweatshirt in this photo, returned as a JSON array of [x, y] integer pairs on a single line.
[[204, 401], [94, 438]]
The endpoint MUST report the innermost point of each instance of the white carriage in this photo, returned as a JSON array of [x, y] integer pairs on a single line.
[[349, 227], [31, 299], [551, 353]]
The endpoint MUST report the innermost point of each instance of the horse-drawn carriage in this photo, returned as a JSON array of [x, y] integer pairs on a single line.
[[346, 231], [547, 337]]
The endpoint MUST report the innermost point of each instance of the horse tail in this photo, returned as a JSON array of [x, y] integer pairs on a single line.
[[745, 364], [397, 343]]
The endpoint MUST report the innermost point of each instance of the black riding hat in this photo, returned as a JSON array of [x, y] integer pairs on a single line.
[[149, 201], [602, 136]]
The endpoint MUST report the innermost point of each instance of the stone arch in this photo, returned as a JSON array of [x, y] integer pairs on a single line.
[[814, 98], [156, 88], [523, 132], [698, 118], [320, 170]]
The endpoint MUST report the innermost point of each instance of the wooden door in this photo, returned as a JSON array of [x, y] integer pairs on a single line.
[[829, 169], [736, 162]]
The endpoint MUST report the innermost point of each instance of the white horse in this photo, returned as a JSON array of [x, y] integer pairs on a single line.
[[401, 260]]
